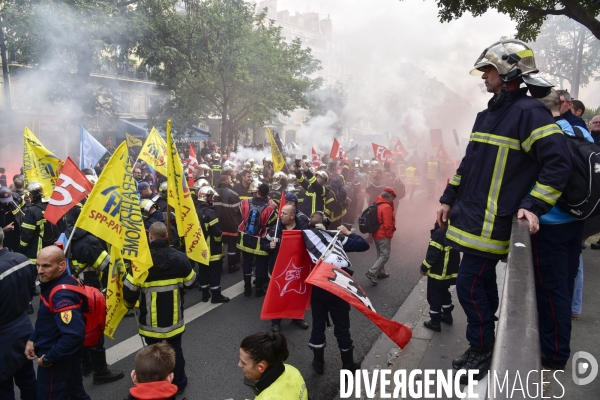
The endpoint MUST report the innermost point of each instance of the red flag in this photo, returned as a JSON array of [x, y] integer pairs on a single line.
[[288, 295], [316, 161], [336, 281], [191, 163], [281, 202], [441, 154], [72, 186], [337, 153], [400, 148], [381, 153]]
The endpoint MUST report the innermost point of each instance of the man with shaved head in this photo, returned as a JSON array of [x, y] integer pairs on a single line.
[[57, 338], [271, 242]]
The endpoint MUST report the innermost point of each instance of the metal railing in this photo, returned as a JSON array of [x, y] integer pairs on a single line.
[[517, 347]]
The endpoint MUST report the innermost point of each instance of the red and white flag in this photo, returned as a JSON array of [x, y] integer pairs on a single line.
[[190, 164], [288, 295], [399, 148], [71, 187], [337, 153], [441, 154], [381, 153], [316, 161], [336, 281]]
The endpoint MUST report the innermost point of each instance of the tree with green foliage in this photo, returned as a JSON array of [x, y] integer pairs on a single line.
[[528, 14], [567, 52], [60, 43], [222, 58]]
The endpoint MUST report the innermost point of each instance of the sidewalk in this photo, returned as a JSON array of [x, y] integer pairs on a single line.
[[432, 350]]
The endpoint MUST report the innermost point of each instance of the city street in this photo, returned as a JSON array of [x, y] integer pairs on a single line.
[[214, 332]]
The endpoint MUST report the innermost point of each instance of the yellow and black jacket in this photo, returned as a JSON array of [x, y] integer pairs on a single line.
[[211, 228], [442, 261], [315, 195], [517, 158], [86, 252], [36, 232], [161, 294]]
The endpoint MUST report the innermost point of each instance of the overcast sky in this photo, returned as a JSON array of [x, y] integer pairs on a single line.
[[394, 31]]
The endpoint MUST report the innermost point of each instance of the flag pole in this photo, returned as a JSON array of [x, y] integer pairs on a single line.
[[70, 237], [329, 247], [168, 223], [18, 208]]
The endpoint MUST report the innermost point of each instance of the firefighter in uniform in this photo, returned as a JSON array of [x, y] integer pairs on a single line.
[[518, 161], [160, 199], [215, 168], [11, 217], [433, 171], [337, 201], [258, 215], [89, 259], [324, 304], [412, 180], [278, 186], [209, 276], [57, 337], [227, 207], [441, 268], [315, 195], [36, 232], [17, 272], [160, 315]]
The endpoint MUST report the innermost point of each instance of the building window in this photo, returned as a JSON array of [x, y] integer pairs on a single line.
[[151, 101], [124, 102]]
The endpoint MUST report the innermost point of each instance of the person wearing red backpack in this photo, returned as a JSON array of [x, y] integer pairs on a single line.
[[58, 337]]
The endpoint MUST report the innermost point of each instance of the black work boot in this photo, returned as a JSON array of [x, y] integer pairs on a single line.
[[318, 361], [101, 372], [247, 285], [433, 324], [205, 294], [459, 361], [348, 359], [446, 316], [219, 298], [86, 363], [260, 287], [479, 358]]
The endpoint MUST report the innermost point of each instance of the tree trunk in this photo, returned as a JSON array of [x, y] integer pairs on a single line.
[[578, 64], [224, 126]]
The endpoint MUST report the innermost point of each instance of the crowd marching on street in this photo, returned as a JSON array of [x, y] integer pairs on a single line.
[[207, 214]]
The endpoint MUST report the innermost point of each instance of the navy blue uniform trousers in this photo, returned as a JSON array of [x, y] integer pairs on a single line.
[[62, 380], [478, 295], [556, 251], [322, 304]]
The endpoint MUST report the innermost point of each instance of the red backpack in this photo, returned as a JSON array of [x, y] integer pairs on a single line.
[[93, 306]]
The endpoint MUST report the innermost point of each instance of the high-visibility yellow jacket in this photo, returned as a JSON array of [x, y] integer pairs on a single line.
[[432, 170], [412, 177]]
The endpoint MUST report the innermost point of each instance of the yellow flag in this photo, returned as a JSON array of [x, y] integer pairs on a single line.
[[180, 199], [39, 164], [278, 160], [115, 305], [154, 152], [112, 212], [132, 141]]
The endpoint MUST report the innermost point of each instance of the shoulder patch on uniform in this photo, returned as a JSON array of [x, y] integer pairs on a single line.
[[66, 316]]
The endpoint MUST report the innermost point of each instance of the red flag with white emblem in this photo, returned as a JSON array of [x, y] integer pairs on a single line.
[[192, 162], [337, 153], [399, 148], [71, 187], [441, 154], [381, 153], [316, 161], [288, 296], [336, 281]]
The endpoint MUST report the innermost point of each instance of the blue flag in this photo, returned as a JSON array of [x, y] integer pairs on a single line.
[[90, 150]]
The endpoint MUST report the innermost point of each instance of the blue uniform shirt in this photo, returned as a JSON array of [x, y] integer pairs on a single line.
[[57, 335]]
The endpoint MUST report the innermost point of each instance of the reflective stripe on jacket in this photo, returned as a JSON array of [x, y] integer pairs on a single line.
[[517, 157]]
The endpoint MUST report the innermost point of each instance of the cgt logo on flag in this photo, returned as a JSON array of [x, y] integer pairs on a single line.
[[290, 280]]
